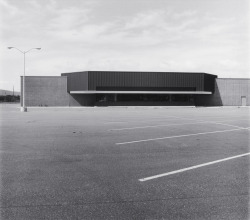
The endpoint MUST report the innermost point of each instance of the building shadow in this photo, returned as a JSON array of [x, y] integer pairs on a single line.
[[210, 100]]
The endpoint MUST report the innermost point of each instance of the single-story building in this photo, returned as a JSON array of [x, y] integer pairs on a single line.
[[117, 88]]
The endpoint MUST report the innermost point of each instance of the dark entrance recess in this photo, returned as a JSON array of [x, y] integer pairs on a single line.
[[126, 88], [144, 99]]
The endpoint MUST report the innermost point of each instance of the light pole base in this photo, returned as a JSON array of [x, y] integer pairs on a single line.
[[23, 109]]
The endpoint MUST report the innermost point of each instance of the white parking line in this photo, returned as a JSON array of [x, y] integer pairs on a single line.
[[192, 167], [151, 126], [177, 136], [168, 118], [153, 120], [218, 123], [113, 122], [155, 126]]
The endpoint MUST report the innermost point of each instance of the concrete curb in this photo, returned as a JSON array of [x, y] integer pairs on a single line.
[[131, 107]]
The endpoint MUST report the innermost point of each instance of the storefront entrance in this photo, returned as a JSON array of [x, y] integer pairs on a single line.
[[144, 99]]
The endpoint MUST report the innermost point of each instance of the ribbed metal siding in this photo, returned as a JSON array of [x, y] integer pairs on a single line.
[[209, 82], [145, 79], [77, 81]]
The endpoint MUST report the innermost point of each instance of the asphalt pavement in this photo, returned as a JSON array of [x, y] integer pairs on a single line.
[[86, 163]]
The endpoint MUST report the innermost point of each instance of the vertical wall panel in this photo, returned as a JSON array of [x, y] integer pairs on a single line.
[[77, 81], [150, 79]]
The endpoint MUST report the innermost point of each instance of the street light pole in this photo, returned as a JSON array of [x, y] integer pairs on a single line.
[[24, 108]]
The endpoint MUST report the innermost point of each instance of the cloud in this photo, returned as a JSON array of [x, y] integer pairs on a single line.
[[79, 35]]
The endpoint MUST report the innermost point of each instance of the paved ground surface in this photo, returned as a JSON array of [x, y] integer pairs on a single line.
[[84, 163]]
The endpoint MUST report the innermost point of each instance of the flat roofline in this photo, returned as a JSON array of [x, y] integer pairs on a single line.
[[141, 92], [135, 72], [235, 78], [120, 71], [75, 72], [45, 76]]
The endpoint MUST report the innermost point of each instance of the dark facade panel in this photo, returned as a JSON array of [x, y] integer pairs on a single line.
[[154, 89], [180, 80], [209, 82], [77, 81]]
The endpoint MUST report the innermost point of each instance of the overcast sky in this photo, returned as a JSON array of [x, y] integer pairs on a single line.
[[128, 35]]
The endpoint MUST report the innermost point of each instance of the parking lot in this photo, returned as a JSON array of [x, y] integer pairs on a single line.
[[125, 163]]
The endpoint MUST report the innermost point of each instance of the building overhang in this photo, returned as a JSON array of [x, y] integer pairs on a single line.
[[142, 92]]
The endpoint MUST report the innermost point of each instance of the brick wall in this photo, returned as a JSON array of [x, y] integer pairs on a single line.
[[228, 92], [46, 91]]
